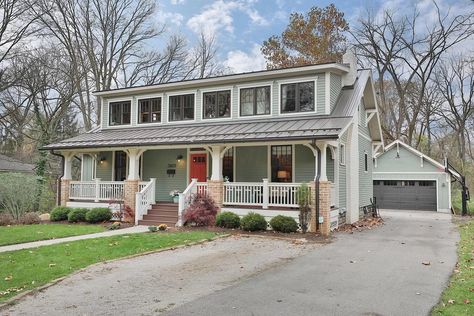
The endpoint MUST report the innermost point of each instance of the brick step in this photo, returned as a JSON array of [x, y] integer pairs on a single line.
[[156, 223], [161, 217]]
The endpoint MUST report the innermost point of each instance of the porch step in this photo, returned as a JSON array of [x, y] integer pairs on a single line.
[[163, 212], [155, 223], [164, 208], [158, 217]]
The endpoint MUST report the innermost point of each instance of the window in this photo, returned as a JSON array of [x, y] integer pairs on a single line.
[[181, 107], [390, 182], [426, 183], [282, 162], [408, 183], [149, 110], [120, 166], [342, 154], [119, 113], [376, 182], [216, 104], [297, 97], [228, 165], [255, 101], [366, 162]]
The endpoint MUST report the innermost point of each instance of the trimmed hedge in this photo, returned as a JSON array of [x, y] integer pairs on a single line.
[[253, 222], [228, 220], [99, 214], [77, 215], [60, 213], [284, 224]]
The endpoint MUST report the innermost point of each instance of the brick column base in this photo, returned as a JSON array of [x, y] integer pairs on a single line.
[[64, 198], [215, 189], [324, 207], [130, 188]]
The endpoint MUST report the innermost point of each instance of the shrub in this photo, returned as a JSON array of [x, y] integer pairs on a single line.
[[29, 218], [77, 215], [6, 219], [228, 220], [284, 224], [17, 193], [253, 222], [304, 202], [60, 213], [202, 211], [99, 214], [152, 229]]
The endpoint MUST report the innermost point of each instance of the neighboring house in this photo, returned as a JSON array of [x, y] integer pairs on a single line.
[[8, 164], [404, 178], [248, 139]]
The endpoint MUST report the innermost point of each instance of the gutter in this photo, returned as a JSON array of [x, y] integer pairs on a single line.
[[58, 180]]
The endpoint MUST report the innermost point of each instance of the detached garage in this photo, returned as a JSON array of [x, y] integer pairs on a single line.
[[406, 179]]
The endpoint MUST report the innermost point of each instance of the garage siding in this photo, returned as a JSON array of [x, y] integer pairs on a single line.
[[408, 167], [342, 176], [365, 177]]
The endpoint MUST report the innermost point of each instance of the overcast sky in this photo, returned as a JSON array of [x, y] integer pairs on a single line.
[[240, 26]]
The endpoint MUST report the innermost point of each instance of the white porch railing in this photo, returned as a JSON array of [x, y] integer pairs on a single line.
[[144, 199], [185, 198], [333, 194], [263, 194], [142, 184], [96, 190]]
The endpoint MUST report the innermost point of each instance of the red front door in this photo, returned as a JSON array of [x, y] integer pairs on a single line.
[[198, 167]]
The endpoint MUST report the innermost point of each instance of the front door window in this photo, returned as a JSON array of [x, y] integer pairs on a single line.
[[282, 162]]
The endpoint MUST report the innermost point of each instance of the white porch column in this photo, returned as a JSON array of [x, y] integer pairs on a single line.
[[323, 148], [134, 163], [217, 153], [68, 156]]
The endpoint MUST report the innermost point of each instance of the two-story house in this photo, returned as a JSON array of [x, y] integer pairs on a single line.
[[249, 140]]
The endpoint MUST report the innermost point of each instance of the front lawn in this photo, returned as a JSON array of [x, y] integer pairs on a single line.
[[30, 268], [17, 234], [458, 298]]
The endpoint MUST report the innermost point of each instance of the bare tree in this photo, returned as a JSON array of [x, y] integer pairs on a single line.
[[407, 55]]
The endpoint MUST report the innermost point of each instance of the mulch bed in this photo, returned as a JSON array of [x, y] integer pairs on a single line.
[[365, 224]]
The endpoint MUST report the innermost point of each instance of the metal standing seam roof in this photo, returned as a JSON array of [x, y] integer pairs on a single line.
[[207, 133]]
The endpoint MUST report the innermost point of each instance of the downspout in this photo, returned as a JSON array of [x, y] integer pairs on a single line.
[[58, 180], [318, 176]]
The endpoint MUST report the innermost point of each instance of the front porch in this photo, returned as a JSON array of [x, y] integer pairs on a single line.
[[240, 178]]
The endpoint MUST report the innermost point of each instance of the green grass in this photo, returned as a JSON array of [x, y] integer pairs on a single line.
[[18, 234], [30, 268], [457, 203], [461, 286]]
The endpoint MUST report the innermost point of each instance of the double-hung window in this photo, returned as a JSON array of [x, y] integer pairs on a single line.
[[181, 107], [282, 163], [149, 110], [216, 104], [119, 113], [255, 101], [297, 97]]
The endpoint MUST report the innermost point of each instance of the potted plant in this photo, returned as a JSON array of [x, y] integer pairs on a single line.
[[175, 195]]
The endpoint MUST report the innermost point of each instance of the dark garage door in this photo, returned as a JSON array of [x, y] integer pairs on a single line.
[[405, 195]]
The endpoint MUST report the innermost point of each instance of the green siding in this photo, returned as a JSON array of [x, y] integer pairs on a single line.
[[104, 169], [342, 176], [304, 164], [251, 164], [329, 165], [87, 168], [336, 83], [408, 167], [366, 188], [320, 99], [155, 164]]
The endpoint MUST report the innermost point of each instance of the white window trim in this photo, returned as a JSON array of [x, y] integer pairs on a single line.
[[255, 85], [298, 80], [226, 88], [131, 99], [168, 95], [342, 154], [149, 96]]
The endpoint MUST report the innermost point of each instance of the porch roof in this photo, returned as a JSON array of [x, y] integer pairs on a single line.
[[276, 129]]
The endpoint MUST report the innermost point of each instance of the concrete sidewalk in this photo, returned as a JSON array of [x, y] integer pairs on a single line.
[[35, 244]]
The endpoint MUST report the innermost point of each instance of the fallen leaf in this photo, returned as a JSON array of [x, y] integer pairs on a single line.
[[9, 278], [466, 301], [450, 301], [52, 265], [426, 263]]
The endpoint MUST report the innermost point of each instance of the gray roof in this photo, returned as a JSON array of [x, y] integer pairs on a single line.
[[13, 165], [207, 133]]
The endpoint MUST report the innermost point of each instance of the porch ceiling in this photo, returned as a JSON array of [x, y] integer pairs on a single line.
[[277, 129]]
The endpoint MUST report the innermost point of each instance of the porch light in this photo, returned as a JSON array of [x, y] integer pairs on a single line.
[[179, 158], [102, 159]]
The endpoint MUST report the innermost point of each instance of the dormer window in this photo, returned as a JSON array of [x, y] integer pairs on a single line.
[[149, 110], [181, 107], [119, 113], [297, 97], [216, 104], [255, 101]]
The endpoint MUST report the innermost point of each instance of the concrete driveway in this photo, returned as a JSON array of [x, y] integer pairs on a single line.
[[375, 272]]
